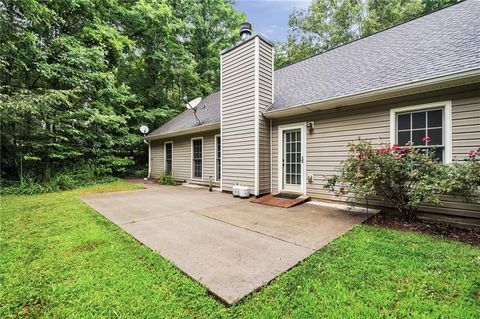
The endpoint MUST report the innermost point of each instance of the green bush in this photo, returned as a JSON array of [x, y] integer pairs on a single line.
[[53, 182], [403, 176], [167, 179]]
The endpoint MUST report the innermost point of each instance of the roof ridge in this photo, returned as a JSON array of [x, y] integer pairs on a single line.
[[370, 35]]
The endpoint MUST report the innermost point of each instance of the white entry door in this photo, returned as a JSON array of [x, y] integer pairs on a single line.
[[292, 158]]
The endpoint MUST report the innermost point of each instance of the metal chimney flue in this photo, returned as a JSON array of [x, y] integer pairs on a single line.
[[245, 30]]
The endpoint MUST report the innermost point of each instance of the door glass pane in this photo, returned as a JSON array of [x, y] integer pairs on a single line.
[[292, 157]]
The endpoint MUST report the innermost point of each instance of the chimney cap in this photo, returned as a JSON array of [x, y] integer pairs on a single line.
[[245, 29]]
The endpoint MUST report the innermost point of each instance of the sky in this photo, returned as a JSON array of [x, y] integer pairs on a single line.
[[270, 17]]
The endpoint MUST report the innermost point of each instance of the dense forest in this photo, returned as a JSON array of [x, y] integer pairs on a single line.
[[78, 77]]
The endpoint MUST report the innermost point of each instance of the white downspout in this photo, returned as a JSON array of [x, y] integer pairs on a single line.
[[149, 159]]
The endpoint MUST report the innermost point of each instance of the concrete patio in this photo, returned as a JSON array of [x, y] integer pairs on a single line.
[[230, 245]]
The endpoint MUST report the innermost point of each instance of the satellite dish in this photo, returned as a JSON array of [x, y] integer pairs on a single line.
[[193, 103], [144, 129]]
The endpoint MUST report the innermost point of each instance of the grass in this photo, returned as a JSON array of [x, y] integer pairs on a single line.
[[61, 259]]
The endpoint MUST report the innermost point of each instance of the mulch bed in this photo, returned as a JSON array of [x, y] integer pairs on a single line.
[[447, 231]]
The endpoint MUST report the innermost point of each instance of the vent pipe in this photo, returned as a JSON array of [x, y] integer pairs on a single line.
[[245, 30]]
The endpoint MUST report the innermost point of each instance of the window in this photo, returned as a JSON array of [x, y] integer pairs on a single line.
[[218, 158], [197, 158], [426, 126], [168, 158]]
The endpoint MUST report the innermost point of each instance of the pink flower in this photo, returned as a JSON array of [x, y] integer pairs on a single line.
[[472, 154], [426, 139], [404, 149], [395, 147]]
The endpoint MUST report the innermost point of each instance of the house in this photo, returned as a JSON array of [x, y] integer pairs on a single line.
[[285, 129]]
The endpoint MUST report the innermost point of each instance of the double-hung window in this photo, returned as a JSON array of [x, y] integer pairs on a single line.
[[168, 158], [426, 127], [197, 158]]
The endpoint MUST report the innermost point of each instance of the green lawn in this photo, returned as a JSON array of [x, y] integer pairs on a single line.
[[61, 259]]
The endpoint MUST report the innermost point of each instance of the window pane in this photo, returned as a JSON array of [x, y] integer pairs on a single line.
[[419, 119], [403, 137], [417, 137], [287, 178], [435, 136], [435, 152], [435, 118], [439, 153], [293, 148], [404, 121]]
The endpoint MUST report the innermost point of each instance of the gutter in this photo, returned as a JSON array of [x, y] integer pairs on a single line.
[[441, 82], [192, 130]]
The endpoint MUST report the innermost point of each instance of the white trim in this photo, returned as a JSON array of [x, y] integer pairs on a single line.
[[270, 120], [221, 119], [257, 115], [215, 157], [273, 72], [149, 159], [197, 129], [281, 128], [271, 158], [191, 158], [165, 156], [447, 129], [418, 86]]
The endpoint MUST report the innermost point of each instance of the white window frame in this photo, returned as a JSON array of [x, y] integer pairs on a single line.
[[165, 157], [192, 170], [215, 156], [447, 124], [302, 126]]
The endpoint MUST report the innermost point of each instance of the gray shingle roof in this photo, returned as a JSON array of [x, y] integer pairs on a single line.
[[185, 120], [443, 42]]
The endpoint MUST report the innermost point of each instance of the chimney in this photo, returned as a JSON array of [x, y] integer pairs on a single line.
[[246, 92], [245, 30]]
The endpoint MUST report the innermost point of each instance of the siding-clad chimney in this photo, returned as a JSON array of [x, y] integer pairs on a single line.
[[246, 92]]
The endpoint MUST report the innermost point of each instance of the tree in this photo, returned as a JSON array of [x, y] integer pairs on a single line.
[[79, 77], [327, 24]]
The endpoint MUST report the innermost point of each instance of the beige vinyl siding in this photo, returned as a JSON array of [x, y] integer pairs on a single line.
[[335, 128], [238, 116], [465, 126], [157, 157], [182, 157], [241, 73], [265, 100]]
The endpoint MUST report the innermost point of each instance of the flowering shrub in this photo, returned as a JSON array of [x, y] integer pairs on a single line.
[[465, 176], [402, 175]]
